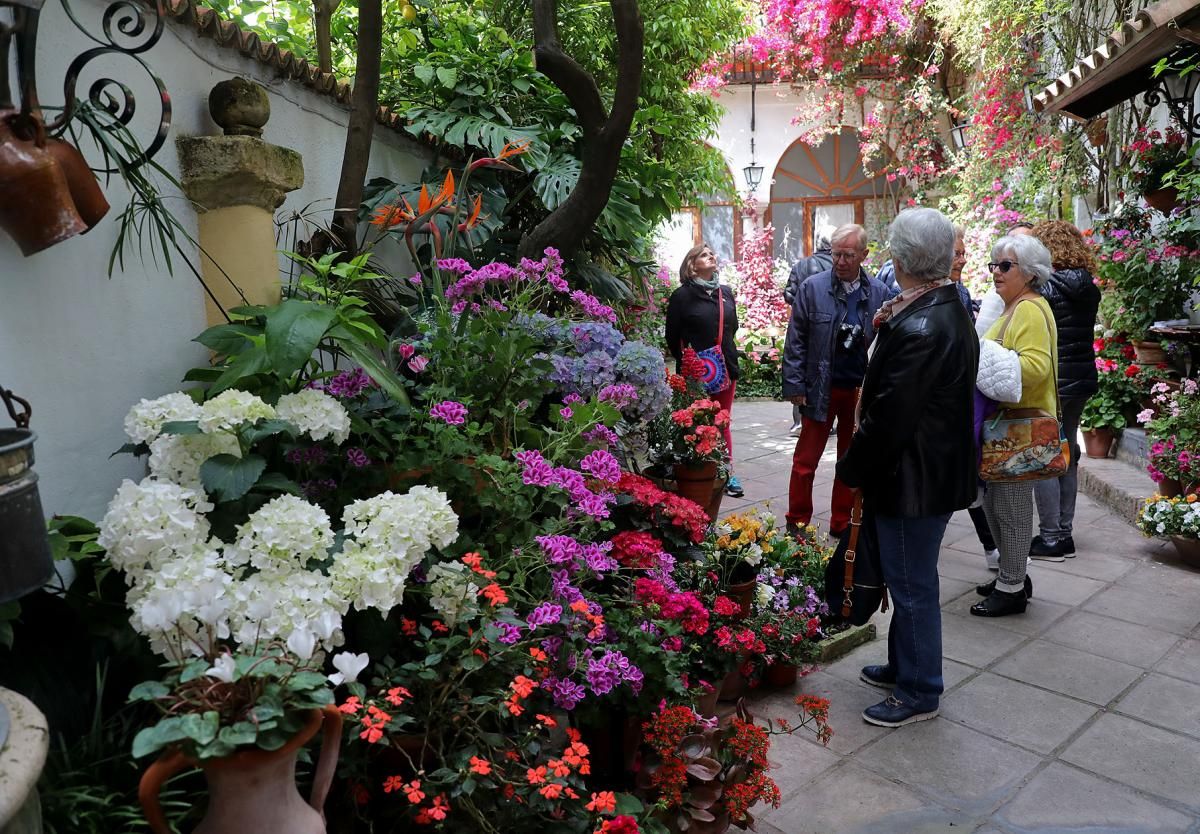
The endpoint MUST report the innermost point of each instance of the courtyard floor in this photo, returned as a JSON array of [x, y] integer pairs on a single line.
[[1082, 715]]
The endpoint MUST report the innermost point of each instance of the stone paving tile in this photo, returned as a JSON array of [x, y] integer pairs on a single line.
[[976, 641], [1040, 616], [1167, 702], [959, 767], [1136, 754], [847, 700], [1016, 712], [794, 763], [1182, 662], [849, 667], [1069, 671], [1157, 577], [1178, 615], [950, 590], [1129, 643], [1063, 588], [1063, 798]]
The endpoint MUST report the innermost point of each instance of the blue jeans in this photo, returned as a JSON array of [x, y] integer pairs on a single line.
[[908, 554]]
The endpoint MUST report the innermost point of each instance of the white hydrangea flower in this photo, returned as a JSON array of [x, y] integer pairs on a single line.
[[149, 523], [316, 414], [300, 607], [371, 577], [230, 409], [285, 533], [182, 602], [145, 420], [178, 457], [452, 593]]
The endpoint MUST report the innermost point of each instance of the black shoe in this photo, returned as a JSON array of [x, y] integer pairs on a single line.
[[878, 675], [1000, 604], [987, 588], [1057, 552], [1068, 547]]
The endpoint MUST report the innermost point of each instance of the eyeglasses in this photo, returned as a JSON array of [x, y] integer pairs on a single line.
[[1003, 266], [845, 256]]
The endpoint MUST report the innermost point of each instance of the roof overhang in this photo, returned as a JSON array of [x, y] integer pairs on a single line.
[[1122, 66]]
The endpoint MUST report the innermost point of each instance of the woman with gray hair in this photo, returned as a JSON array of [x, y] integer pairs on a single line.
[[913, 455], [1020, 265]]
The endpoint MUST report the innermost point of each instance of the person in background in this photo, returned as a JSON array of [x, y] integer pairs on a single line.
[[1021, 265], [913, 455], [692, 321], [824, 358], [887, 276], [819, 261], [1075, 299]]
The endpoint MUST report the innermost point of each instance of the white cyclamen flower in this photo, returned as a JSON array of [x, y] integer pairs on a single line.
[[178, 457], [150, 523], [348, 666], [316, 414], [223, 668], [285, 533], [230, 409], [145, 420]]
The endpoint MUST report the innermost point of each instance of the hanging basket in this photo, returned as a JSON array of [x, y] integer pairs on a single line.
[[25, 561]]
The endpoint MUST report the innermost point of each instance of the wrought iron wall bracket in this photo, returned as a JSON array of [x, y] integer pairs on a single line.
[[129, 28]]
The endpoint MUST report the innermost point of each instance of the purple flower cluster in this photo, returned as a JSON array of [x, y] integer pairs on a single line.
[[621, 395], [566, 693], [610, 671], [548, 613], [313, 454], [509, 633], [313, 490], [561, 587], [560, 550], [357, 457], [536, 470], [451, 412], [601, 435], [602, 466], [592, 306], [348, 384]]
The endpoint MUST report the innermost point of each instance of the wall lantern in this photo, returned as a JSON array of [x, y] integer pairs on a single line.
[[958, 133], [753, 173]]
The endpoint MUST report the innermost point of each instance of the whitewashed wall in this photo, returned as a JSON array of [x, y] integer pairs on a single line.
[[83, 347]]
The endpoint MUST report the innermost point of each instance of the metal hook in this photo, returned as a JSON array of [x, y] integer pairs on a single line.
[[22, 419]]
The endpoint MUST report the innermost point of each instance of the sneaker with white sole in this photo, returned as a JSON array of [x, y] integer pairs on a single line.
[[892, 712]]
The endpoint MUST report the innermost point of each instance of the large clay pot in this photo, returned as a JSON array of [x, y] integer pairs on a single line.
[[1169, 488], [1149, 353], [696, 482], [86, 193], [781, 675], [254, 790], [1165, 200], [1097, 442], [1188, 550], [36, 210], [743, 594]]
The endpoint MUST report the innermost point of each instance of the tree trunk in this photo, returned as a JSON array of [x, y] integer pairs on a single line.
[[322, 20], [364, 106], [604, 134]]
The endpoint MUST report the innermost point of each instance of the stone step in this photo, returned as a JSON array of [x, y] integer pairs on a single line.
[[1132, 447], [1116, 483]]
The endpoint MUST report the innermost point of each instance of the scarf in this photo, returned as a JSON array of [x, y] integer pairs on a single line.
[[893, 306], [711, 286]]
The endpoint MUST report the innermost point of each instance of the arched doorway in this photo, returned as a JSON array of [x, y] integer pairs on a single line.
[[815, 190]]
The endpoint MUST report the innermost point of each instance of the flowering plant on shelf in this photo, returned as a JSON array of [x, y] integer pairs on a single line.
[[696, 433], [236, 579], [742, 541], [1153, 155], [1117, 391], [1174, 417], [1176, 516], [1171, 458]]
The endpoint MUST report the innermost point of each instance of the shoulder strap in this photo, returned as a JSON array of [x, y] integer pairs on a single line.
[[720, 315], [851, 554]]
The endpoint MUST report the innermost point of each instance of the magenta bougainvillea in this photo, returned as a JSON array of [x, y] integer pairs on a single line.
[[760, 298]]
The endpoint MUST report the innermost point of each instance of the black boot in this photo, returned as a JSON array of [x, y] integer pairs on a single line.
[[1000, 604], [985, 590]]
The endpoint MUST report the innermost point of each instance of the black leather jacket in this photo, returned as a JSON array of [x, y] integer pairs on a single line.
[[1074, 298], [805, 268], [913, 454]]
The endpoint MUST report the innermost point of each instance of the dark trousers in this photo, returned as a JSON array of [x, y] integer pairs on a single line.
[[979, 519], [908, 554]]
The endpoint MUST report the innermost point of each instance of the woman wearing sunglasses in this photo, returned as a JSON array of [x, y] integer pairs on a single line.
[[1020, 265]]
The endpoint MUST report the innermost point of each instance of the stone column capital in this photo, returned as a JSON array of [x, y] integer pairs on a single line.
[[223, 171]]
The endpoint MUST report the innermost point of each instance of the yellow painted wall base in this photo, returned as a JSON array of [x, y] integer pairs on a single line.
[[241, 240]]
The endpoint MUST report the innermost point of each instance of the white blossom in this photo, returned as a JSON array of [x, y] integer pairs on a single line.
[[296, 606], [316, 414], [184, 601], [348, 666], [285, 532], [223, 669], [178, 457], [150, 523], [145, 420], [230, 409], [452, 593]]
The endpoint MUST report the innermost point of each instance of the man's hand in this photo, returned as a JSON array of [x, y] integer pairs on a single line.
[[799, 400]]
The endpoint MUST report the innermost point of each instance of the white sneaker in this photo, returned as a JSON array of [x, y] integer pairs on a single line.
[[794, 431], [993, 559]]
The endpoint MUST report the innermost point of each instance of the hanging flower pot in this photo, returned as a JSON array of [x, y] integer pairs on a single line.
[[25, 561], [1098, 442], [37, 211], [1165, 200], [254, 790]]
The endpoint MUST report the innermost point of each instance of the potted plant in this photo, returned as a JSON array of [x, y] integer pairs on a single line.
[[1177, 518], [1173, 429], [1149, 159], [1104, 415]]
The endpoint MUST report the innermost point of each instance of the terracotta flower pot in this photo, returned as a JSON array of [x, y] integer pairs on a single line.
[[1165, 200], [1188, 550], [733, 686], [696, 482], [706, 704], [743, 594], [37, 210], [781, 675], [1098, 442], [1169, 487], [254, 790], [1149, 353]]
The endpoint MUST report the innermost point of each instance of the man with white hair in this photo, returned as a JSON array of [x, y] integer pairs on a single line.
[[824, 358], [913, 455]]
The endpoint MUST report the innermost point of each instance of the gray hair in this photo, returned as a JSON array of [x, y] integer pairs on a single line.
[[1033, 258], [922, 243], [844, 231]]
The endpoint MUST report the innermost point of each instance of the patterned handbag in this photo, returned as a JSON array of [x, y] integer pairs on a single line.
[[1025, 444], [716, 376]]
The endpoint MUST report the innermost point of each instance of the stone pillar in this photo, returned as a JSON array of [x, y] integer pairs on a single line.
[[22, 756], [236, 182]]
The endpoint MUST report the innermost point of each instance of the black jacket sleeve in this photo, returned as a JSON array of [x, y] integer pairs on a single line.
[[675, 324]]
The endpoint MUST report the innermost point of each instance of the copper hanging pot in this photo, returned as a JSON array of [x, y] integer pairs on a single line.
[[37, 210], [25, 560], [86, 193]]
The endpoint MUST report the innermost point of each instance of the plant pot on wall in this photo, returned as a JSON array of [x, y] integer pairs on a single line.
[[1149, 353], [1165, 200], [1098, 442]]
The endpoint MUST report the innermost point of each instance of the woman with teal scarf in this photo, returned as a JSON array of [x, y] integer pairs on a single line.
[[693, 320]]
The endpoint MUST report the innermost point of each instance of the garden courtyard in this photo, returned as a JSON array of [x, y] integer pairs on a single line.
[[1078, 716]]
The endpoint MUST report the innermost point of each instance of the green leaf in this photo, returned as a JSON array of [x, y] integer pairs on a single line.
[[180, 427], [246, 365], [149, 691], [629, 804], [241, 733], [294, 329], [276, 482], [226, 339], [201, 728], [228, 478], [152, 739], [383, 376], [267, 428], [448, 76], [423, 73]]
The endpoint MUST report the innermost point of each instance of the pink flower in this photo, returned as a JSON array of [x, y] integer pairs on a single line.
[[450, 412], [405, 350], [418, 363]]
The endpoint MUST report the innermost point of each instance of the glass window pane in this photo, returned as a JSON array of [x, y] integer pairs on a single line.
[[788, 220], [717, 225], [828, 216], [675, 238]]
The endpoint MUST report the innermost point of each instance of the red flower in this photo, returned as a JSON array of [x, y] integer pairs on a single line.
[[1132, 371]]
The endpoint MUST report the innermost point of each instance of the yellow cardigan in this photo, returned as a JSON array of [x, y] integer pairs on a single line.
[[1034, 337]]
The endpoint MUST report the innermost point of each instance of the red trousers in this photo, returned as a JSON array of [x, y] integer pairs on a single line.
[[814, 434], [725, 398]]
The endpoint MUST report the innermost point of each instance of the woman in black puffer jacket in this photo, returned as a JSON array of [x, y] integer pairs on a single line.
[[1074, 298]]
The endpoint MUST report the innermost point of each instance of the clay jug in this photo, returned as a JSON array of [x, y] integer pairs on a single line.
[[37, 210], [254, 790], [86, 193]]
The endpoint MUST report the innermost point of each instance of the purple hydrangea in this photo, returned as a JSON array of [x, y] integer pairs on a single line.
[[451, 412]]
